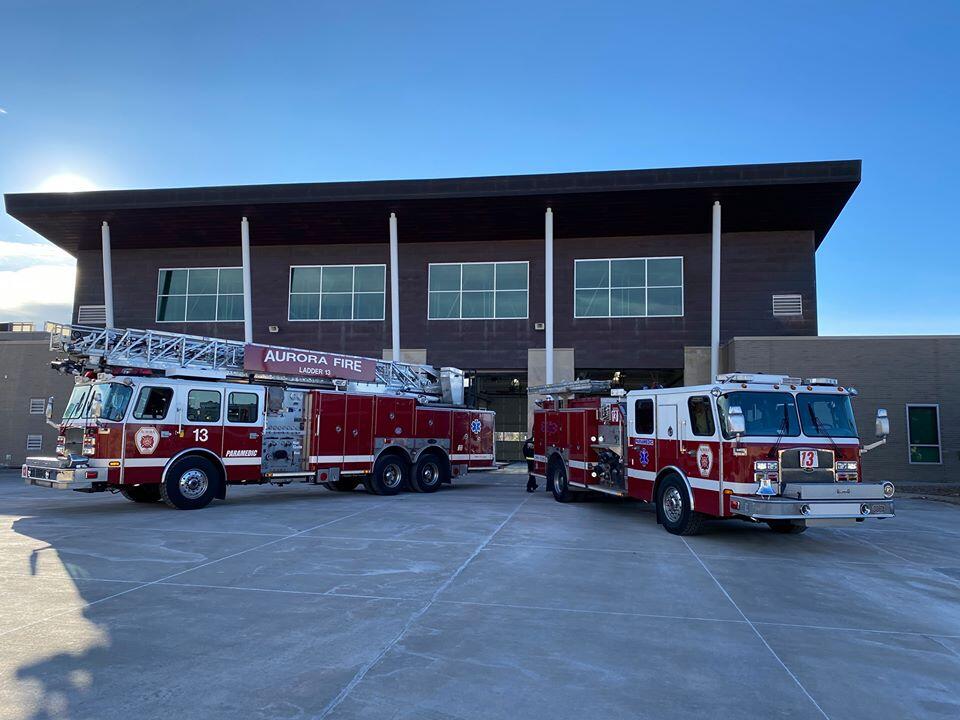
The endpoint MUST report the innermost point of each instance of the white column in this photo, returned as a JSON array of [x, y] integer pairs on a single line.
[[107, 275], [548, 294], [247, 291], [715, 303], [394, 290]]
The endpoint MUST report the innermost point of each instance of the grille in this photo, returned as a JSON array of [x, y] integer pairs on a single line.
[[790, 470], [787, 305]]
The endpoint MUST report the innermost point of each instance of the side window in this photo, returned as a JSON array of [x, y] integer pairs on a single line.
[[643, 417], [242, 407], [701, 416], [153, 403], [203, 406]]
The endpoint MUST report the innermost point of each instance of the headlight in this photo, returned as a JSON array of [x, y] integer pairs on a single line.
[[766, 466], [888, 490], [847, 466]]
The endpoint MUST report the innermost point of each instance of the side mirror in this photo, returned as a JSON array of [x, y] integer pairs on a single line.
[[734, 421], [883, 423], [96, 407], [49, 409]]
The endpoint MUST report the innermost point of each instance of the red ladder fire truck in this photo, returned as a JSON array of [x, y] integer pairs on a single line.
[[764, 448], [163, 416]]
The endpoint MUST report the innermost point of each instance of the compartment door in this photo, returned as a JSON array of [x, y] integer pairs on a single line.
[[243, 432], [668, 436], [328, 430], [358, 431]]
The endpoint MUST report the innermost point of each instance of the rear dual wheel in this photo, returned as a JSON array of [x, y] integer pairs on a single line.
[[342, 485], [390, 474], [431, 471]]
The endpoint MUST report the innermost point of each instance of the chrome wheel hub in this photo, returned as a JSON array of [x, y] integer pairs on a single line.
[[672, 504], [429, 474], [392, 475], [193, 484]]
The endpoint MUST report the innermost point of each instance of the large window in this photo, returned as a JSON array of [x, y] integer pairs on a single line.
[[765, 413], [200, 295], [478, 291], [825, 415], [701, 416], [203, 406], [337, 292], [152, 403], [628, 287], [923, 428]]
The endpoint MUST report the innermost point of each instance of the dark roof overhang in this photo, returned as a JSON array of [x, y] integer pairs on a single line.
[[782, 196]]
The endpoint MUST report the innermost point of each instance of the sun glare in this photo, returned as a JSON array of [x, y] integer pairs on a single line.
[[66, 182]]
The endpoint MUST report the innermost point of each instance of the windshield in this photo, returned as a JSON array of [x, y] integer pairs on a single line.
[[77, 403], [825, 415], [113, 398], [764, 413]]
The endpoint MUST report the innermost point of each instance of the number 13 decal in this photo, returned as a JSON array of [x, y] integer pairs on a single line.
[[808, 459], [201, 434]]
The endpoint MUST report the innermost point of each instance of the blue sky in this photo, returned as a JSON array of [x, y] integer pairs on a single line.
[[145, 94]]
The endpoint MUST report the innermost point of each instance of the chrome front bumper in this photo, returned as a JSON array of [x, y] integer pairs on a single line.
[[47, 472], [780, 508]]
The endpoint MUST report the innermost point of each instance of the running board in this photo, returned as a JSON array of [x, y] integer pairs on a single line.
[[599, 488]]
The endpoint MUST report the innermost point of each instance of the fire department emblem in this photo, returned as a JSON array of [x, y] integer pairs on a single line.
[[644, 457], [704, 460], [146, 440], [475, 427]]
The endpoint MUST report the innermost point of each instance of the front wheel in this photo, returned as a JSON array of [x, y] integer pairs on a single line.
[[788, 527], [141, 493], [190, 483], [674, 509]]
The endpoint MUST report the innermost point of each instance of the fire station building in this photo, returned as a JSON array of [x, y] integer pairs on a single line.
[[514, 279]]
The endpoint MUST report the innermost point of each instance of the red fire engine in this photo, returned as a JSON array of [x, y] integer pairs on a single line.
[[162, 416], [765, 448]]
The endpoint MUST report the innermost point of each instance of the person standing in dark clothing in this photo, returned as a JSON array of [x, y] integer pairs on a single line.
[[528, 456]]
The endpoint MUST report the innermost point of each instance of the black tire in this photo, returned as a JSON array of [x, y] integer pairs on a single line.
[[431, 471], [788, 527], [673, 508], [191, 483], [559, 485], [141, 493], [342, 485], [391, 473]]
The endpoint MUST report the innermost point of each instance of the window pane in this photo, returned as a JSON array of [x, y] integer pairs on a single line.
[[923, 426], [243, 407], [444, 305], [337, 279], [630, 302], [445, 277], [230, 307], [478, 277], [304, 307], [171, 308], [701, 416], [336, 306], [368, 306], [231, 280], [203, 406], [628, 273], [511, 304], [924, 454], [305, 279], [643, 419], [202, 282], [173, 282], [152, 403], [512, 276], [664, 271], [592, 303], [477, 305], [664, 301], [369, 279], [201, 307], [592, 273]]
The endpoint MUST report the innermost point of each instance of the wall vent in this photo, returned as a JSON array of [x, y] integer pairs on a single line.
[[38, 406], [34, 442], [788, 306], [92, 315]]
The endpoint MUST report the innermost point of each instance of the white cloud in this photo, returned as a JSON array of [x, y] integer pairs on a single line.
[[36, 282]]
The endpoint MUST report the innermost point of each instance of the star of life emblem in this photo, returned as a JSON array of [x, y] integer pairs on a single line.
[[644, 457], [475, 427]]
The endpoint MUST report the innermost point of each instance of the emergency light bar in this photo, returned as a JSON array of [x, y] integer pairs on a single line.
[[758, 379]]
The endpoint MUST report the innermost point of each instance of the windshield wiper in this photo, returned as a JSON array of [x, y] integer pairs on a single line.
[[784, 426], [818, 426]]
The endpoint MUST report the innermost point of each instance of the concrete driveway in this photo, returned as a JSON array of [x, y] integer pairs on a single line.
[[480, 601]]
